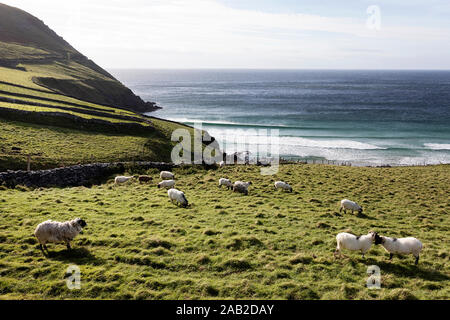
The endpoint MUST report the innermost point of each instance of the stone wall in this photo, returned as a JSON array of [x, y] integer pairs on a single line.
[[75, 175]]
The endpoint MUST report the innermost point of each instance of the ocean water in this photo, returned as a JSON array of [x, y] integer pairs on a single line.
[[363, 117]]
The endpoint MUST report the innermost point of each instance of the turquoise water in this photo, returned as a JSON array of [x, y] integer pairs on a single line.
[[364, 117]]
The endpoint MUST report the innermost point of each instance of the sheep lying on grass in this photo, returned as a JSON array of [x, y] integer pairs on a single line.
[[166, 175], [354, 243], [408, 245], [283, 185], [225, 182], [178, 197], [53, 232], [166, 184], [350, 205], [122, 179]]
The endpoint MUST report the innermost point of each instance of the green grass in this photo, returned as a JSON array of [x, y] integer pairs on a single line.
[[10, 50], [62, 99], [53, 146], [19, 77], [268, 245], [41, 97], [33, 108]]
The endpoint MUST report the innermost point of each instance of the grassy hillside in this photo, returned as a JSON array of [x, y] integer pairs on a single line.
[[270, 244], [52, 147], [27, 44], [54, 141]]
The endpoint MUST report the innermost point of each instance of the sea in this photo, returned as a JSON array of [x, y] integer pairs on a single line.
[[373, 117]]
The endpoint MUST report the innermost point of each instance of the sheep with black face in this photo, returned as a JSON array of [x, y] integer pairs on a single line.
[[350, 205], [407, 245], [55, 232]]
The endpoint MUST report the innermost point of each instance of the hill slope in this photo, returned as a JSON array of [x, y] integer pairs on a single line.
[[60, 108], [27, 43]]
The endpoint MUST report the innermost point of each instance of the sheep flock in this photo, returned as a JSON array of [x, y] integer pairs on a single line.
[[64, 232]]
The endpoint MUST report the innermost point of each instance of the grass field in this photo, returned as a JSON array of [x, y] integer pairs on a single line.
[[52, 147], [268, 245], [18, 84]]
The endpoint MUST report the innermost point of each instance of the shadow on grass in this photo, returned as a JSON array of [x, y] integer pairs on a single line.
[[408, 270], [364, 216], [76, 256]]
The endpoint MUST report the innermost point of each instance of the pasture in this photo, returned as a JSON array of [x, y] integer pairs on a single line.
[[267, 245]]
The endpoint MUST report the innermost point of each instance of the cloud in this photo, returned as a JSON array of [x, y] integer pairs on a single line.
[[206, 33]]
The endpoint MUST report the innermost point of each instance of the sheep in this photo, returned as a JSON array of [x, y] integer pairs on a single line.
[[122, 179], [245, 184], [407, 245], [283, 185], [178, 197], [166, 184], [53, 232], [241, 188], [351, 242], [166, 175], [225, 182], [144, 178], [350, 205]]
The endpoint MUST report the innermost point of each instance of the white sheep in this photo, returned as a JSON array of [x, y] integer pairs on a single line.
[[166, 184], [53, 232], [354, 243], [350, 205], [245, 184], [407, 245], [166, 175], [283, 185], [225, 182], [241, 187], [177, 196], [122, 179]]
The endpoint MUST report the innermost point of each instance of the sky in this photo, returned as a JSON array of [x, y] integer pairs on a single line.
[[260, 34]]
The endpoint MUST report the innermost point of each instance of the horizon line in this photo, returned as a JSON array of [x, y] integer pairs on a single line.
[[272, 69]]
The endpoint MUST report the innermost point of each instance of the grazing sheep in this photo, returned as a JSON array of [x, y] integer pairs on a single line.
[[351, 242], [145, 178], [350, 205], [166, 175], [53, 232], [178, 197], [241, 188], [166, 184], [245, 184], [225, 182], [283, 185], [408, 245], [122, 179]]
